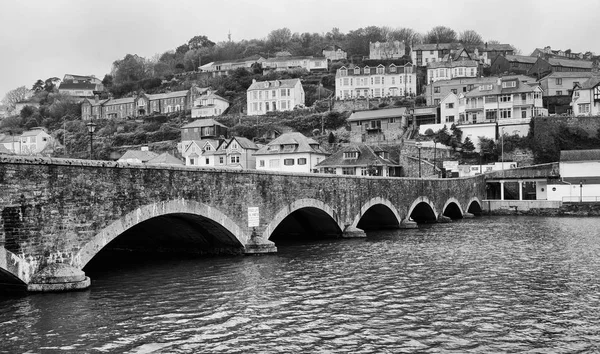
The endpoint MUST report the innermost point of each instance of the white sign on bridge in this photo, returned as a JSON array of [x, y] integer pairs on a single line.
[[253, 217]]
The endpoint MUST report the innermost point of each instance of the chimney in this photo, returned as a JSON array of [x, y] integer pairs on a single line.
[[253, 81], [144, 147], [595, 67], [96, 99]]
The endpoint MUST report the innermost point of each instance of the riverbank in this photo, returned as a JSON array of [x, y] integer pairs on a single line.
[[562, 209]]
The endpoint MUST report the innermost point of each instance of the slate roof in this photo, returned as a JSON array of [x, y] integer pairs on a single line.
[[591, 82], [114, 101], [579, 155], [366, 156], [495, 47], [302, 144], [244, 143], [93, 102], [143, 156], [499, 90], [34, 132], [377, 114], [4, 150], [583, 64], [77, 86], [571, 74], [165, 159], [160, 96], [451, 64], [521, 59], [435, 46], [263, 85], [211, 95], [203, 122]]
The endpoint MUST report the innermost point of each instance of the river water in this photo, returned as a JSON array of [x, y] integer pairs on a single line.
[[485, 285]]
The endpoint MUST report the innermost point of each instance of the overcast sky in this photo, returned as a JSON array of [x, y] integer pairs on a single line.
[[43, 38]]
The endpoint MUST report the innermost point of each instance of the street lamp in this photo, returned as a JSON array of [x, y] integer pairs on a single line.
[[434, 156], [580, 191], [502, 149], [480, 163], [418, 145], [91, 128]]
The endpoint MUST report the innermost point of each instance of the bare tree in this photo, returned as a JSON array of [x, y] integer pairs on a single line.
[[14, 96], [440, 34], [470, 38]]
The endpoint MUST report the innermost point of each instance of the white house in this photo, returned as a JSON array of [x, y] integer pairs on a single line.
[[138, 156], [222, 68], [30, 142], [379, 81], [285, 63], [361, 160], [200, 152], [209, 105], [586, 98], [445, 70], [270, 96], [290, 152], [580, 177], [237, 152], [422, 54], [333, 52]]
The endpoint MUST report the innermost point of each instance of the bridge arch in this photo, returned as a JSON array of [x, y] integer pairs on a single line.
[[15, 269], [452, 209], [425, 210], [376, 202], [474, 206], [147, 212], [286, 211]]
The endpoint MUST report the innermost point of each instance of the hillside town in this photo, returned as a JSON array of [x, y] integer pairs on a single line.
[[443, 109]]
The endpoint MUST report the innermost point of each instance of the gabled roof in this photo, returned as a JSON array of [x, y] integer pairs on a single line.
[[569, 74], [302, 144], [244, 143], [366, 156], [34, 132], [377, 114], [93, 102], [160, 96], [4, 150], [143, 156], [435, 46], [113, 101], [495, 47], [262, 85], [165, 159], [499, 90], [76, 86], [211, 96], [591, 82], [580, 155], [203, 122]]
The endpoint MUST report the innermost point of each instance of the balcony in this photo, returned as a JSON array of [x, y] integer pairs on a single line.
[[527, 102]]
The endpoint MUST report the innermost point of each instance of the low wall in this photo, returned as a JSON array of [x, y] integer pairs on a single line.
[[539, 208], [498, 206]]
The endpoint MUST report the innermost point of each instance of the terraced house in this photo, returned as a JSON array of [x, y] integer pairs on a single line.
[[139, 105], [378, 81]]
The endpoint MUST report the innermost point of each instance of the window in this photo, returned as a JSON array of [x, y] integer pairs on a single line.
[[558, 92], [377, 80], [343, 72], [234, 159], [364, 171], [436, 101], [505, 98], [261, 163], [192, 162], [367, 70], [559, 81], [450, 105], [490, 115], [288, 162], [347, 170], [576, 94], [350, 155], [523, 112], [584, 108], [449, 119], [485, 87], [505, 113], [436, 89], [380, 69], [356, 71], [509, 84], [453, 91], [207, 161], [273, 163], [346, 81], [392, 69], [302, 161], [221, 160]]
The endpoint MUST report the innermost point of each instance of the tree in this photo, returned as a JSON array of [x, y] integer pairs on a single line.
[[38, 86], [331, 138], [468, 145], [197, 42], [17, 95], [107, 81], [470, 38], [130, 68], [50, 84], [440, 34], [279, 38]]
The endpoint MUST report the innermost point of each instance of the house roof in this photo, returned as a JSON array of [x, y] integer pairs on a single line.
[[261, 85], [244, 143], [451, 64], [583, 64], [301, 142], [288, 58], [366, 156], [377, 114], [4, 150], [203, 122], [521, 59], [165, 159], [143, 156], [81, 77], [34, 132], [435, 46], [495, 47], [93, 102], [332, 48], [113, 101], [499, 90], [211, 96], [591, 82], [160, 96], [569, 74], [579, 155], [76, 86]]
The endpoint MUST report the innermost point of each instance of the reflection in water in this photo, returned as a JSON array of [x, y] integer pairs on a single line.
[[502, 284]]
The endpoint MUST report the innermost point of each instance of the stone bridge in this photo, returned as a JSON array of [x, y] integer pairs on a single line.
[[58, 214]]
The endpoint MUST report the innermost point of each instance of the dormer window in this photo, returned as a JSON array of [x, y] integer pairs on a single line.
[[380, 69], [350, 155], [383, 154], [509, 84], [357, 71], [367, 70], [485, 87], [288, 148], [343, 72], [392, 68]]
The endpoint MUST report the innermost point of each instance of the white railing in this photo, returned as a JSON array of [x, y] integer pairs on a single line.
[[581, 199]]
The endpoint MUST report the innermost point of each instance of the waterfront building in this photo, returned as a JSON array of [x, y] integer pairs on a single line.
[[378, 81], [361, 160], [290, 152], [200, 152], [450, 69], [271, 96], [422, 54], [580, 177], [545, 66], [30, 142], [586, 97], [237, 152]]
